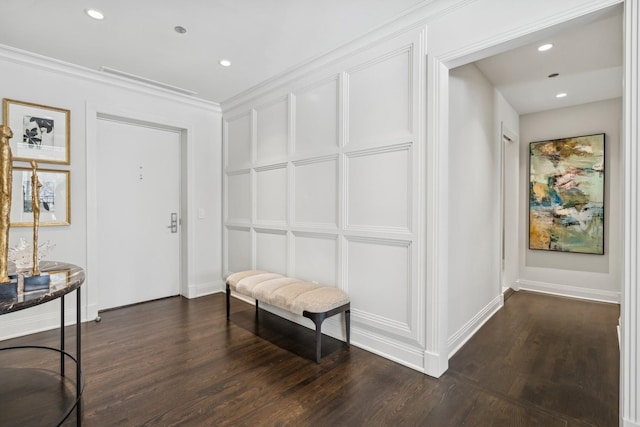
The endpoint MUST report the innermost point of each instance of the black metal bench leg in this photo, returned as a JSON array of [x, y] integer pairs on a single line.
[[347, 318], [228, 300], [318, 341], [318, 318]]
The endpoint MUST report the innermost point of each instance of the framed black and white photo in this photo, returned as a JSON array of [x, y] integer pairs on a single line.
[[55, 203], [40, 133]]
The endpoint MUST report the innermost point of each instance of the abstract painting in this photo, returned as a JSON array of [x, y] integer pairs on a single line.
[[566, 195]]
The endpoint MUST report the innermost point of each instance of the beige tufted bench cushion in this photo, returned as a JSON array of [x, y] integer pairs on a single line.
[[312, 300]]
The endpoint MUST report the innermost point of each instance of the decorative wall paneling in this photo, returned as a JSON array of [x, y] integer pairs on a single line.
[[271, 195], [315, 190], [322, 182]]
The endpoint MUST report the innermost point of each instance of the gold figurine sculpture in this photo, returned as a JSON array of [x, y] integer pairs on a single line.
[[6, 170], [35, 208]]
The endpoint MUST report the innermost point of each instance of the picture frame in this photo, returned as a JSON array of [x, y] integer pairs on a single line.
[[40, 132], [55, 197], [567, 194]]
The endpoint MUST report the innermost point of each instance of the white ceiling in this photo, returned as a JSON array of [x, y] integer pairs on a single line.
[[263, 38], [588, 58]]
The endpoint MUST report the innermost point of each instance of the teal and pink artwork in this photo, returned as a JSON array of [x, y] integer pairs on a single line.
[[566, 195]]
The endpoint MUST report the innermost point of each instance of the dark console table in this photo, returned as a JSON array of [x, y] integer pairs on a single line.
[[65, 278]]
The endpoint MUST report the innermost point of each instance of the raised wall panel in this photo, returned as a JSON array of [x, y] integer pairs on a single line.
[[271, 251], [379, 189], [238, 249], [341, 202], [316, 192], [238, 143], [317, 118], [378, 279], [272, 130], [316, 258], [271, 188], [239, 197], [380, 99]]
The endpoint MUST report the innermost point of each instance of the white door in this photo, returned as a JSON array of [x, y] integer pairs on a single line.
[[138, 192]]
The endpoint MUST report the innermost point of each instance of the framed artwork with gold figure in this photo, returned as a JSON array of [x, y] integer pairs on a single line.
[[55, 202]]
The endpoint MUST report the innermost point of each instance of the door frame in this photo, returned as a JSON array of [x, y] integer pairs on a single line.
[[507, 136], [437, 185], [93, 114], [438, 66]]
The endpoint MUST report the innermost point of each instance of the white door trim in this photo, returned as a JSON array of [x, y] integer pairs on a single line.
[[629, 325], [93, 113], [507, 137]]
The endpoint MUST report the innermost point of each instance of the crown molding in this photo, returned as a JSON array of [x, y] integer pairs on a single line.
[[411, 19], [30, 59], [487, 47]]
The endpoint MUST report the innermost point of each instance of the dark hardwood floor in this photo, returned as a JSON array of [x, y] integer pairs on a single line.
[[540, 361]]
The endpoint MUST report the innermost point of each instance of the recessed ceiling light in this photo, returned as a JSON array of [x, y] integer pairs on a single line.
[[95, 14], [179, 29], [225, 62], [545, 47], [561, 95]]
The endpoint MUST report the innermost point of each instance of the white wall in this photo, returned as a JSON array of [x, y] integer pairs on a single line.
[[323, 181], [579, 275], [37, 80], [474, 204]]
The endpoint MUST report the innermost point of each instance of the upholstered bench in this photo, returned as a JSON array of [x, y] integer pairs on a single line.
[[312, 300]]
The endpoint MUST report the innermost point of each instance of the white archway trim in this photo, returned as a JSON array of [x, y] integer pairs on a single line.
[[630, 319], [437, 226], [436, 360]]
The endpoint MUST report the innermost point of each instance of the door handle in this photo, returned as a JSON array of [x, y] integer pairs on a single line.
[[174, 223]]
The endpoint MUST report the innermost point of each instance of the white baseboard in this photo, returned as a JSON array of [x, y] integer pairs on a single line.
[[202, 289], [25, 323], [401, 353], [619, 338], [457, 340], [629, 423], [92, 312], [434, 364], [569, 291]]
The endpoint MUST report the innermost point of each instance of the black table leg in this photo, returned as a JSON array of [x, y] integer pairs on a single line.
[[78, 357], [62, 335]]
